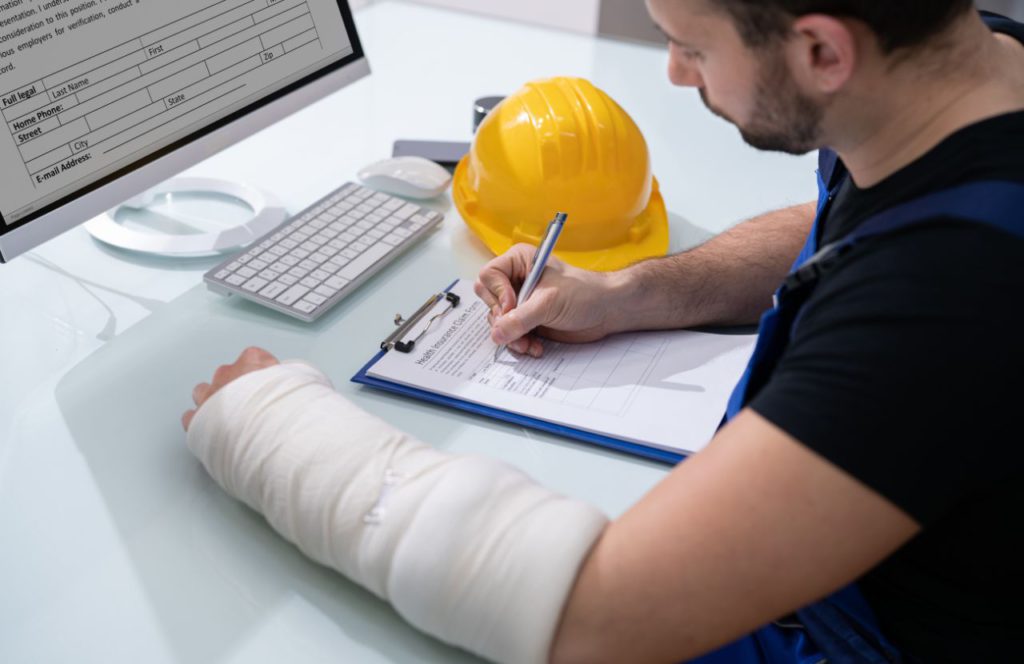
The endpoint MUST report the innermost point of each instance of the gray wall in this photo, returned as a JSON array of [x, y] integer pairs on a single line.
[[1012, 8]]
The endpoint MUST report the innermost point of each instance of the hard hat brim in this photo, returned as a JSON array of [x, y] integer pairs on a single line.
[[654, 216]]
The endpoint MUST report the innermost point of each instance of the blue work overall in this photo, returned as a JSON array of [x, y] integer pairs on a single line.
[[842, 628]]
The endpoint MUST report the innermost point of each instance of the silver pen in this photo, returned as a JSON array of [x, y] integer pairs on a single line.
[[540, 260]]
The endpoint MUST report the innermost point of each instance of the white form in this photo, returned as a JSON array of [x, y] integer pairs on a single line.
[[88, 87], [662, 389]]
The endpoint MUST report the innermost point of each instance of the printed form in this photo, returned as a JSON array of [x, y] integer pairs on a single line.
[[662, 389]]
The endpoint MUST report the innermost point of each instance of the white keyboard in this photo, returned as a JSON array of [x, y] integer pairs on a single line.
[[315, 259]]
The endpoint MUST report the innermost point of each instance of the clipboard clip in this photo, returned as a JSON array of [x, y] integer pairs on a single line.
[[395, 339]]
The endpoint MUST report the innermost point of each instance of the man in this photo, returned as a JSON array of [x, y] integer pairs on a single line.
[[868, 478]]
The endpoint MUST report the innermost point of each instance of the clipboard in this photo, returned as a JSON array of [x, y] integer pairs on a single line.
[[406, 326]]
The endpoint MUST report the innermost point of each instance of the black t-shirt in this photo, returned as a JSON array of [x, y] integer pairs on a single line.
[[905, 371]]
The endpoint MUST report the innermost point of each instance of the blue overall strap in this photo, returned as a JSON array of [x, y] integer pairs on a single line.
[[994, 203], [831, 174]]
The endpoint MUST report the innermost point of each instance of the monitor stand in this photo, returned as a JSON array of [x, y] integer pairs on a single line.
[[189, 216]]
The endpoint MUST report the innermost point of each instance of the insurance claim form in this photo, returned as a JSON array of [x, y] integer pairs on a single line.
[[662, 389]]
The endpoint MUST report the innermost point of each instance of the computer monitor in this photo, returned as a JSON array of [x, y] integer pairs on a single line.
[[103, 99]]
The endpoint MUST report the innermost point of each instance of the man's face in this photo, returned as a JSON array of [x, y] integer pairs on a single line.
[[752, 89]]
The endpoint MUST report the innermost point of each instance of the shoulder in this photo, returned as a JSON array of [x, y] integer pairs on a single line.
[[907, 351]]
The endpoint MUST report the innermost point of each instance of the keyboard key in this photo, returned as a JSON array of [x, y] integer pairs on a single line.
[[273, 290], [308, 265], [319, 275], [325, 291], [365, 261], [269, 275], [319, 257], [336, 282], [235, 280], [315, 299], [223, 274], [246, 272], [254, 285], [292, 295], [288, 279], [257, 265], [407, 211], [310, 283], [305, 307]]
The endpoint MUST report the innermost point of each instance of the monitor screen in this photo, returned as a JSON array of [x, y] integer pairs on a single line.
[[92, 90]]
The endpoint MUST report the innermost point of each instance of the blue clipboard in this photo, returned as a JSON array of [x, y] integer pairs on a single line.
[[619, 445]]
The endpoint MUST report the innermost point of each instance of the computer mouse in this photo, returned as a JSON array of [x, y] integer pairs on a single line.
[[411, 177]]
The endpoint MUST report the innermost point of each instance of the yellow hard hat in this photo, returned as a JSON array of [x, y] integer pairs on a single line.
[[563, 145]]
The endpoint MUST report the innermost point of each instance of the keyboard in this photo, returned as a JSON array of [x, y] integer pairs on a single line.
[[314, 260]]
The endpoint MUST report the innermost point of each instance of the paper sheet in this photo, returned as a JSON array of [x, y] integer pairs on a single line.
[[662, 389]]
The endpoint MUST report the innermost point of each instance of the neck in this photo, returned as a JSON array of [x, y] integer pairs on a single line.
[[983, 78]]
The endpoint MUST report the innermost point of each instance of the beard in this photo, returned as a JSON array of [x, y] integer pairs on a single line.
[[785, 120]]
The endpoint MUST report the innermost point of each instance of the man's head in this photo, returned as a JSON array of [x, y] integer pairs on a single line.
[[774, 67]]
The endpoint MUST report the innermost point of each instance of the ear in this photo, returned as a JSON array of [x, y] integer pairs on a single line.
[[823, 52]]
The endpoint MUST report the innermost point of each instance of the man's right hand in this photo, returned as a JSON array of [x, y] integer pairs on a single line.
[[569, 304]]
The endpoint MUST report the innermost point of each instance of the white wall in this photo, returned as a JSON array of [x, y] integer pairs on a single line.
[[576, 15]]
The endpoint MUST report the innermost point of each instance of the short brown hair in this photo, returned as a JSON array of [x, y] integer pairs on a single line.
[[897, 23]]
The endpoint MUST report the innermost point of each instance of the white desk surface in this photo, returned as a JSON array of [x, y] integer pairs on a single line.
[[115, 545]]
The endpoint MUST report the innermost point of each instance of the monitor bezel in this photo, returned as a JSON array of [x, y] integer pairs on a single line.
[[148, 171]]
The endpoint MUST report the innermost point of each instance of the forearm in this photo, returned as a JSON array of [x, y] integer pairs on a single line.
[[729, 280], [466, 548]]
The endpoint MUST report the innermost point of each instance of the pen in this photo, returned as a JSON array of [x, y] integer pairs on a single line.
[[540, 259]]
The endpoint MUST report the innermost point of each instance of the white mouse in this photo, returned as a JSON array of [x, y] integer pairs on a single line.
[[412, 177]]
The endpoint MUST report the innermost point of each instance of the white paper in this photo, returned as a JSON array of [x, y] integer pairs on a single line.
[[663, 389]]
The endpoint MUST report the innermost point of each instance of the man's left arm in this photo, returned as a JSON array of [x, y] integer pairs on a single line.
[[474, 553]]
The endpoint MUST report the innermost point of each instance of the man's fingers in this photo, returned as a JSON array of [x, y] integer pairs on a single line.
[[495, 289], [522, 320], [485, 295], [508, 328], [494, 285], [200, 393], [256, 355]]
